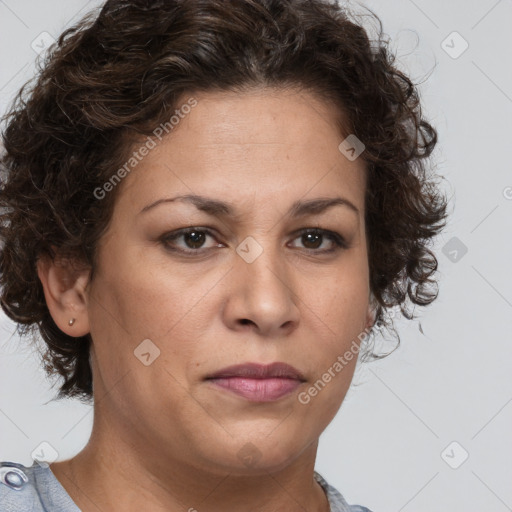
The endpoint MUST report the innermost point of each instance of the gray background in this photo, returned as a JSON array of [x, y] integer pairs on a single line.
[[390, 447]]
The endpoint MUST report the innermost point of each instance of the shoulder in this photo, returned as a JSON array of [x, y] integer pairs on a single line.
[[17, 488], [32, 489], [336, 500]]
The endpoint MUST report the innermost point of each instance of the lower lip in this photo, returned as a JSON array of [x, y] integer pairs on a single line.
[[258, 390]]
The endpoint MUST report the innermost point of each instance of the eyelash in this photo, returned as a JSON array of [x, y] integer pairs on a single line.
[[337, 239]]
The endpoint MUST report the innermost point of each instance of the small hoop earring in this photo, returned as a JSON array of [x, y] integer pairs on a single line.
[[71, 322]]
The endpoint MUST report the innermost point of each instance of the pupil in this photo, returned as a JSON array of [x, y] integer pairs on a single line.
[[313, 236], [197, 238]]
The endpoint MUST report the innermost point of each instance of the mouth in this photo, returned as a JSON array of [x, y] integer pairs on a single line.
[[256, 382]]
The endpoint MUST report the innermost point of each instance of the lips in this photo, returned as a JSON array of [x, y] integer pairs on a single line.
[[259, 371], [256, 382]]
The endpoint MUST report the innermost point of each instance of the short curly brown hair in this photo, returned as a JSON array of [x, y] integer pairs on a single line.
[[113, 77]]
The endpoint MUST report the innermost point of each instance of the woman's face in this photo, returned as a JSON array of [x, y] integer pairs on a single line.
[[245, 287]]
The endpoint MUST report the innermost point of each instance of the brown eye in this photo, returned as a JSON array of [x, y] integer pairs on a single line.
[[312, 240], [193, 240]]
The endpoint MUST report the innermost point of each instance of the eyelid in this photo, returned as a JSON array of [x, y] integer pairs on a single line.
[[183, 231], [337, 239]]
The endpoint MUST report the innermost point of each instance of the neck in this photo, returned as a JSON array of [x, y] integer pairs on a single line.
[[118, 472]]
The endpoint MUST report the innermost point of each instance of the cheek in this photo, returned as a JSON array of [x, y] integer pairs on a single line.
[[134, 300], [142, 313], [339, 298], [144, 298], [320, 400], [337, 318]]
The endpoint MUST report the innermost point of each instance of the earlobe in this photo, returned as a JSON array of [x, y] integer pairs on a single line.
[[371, 313], [370, 318], [64, 286]]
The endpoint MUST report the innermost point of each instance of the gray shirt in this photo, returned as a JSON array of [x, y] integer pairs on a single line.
[[35, 489]]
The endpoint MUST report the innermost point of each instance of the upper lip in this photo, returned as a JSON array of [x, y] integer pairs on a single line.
[[259, 371]]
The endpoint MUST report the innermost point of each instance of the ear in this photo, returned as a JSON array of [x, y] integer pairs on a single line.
[[371, 313], [64, 283]]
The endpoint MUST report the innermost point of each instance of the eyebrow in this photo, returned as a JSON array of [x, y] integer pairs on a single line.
[[221, 209]]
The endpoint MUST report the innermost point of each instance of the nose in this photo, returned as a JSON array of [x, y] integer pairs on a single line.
[[262, 296]]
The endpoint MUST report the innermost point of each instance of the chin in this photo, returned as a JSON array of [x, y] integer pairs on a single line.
[[254, 455]]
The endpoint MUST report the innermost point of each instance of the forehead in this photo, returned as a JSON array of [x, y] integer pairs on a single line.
[[260, 145], [261, 116]]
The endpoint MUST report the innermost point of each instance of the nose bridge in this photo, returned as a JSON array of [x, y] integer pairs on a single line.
[[261, 262], [264, 291]]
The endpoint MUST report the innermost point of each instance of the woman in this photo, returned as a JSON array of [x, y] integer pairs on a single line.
[[207, 207]]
